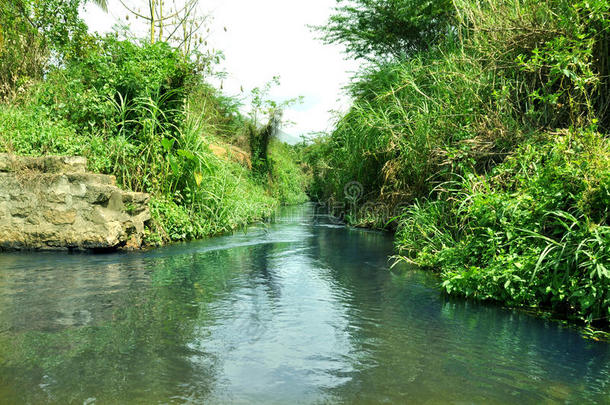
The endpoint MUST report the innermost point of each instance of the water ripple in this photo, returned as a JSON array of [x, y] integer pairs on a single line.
[[304, 311]]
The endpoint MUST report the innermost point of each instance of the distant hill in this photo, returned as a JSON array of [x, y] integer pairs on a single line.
[[290, 139]]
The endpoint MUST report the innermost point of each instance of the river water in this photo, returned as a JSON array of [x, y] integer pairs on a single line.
[[301, 311]]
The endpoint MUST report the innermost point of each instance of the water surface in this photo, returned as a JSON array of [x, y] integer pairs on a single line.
[[302, 311]]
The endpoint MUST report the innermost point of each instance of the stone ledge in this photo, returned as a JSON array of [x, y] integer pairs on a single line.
[[43, 164], [45, 208]]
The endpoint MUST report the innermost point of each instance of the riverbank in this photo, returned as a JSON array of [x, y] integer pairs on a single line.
[[143, 113], [488, 152], [231, 194]]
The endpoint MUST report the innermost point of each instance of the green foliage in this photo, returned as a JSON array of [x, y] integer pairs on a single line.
[[142, 113], [554, 53], [288, 178], [219, 114], [57, 21], [495, 143], [27, 132], [412, 125], [374, 29], [23, 54], [120, 87], [528, 234], [31, 32]]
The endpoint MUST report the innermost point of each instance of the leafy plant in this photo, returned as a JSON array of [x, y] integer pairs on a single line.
[[375, 29]]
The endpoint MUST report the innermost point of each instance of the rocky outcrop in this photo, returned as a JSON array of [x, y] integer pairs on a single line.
[[52, 203]]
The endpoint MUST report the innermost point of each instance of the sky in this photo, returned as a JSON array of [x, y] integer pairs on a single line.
[[264, 38]]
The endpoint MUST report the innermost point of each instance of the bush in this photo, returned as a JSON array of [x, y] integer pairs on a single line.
[[528, 234], [31, 32], [118, 86], [372, 29], [554, 52]]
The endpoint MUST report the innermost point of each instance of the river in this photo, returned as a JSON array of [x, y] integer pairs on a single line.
[[300, 311]]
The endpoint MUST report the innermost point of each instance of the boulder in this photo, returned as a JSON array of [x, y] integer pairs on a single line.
[[52, 203]]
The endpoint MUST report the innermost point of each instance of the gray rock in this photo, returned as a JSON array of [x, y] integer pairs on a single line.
[[51, 203]]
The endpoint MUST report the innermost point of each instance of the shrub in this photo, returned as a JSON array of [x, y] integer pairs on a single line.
[[373, 29], [118, 86], [526, 234]]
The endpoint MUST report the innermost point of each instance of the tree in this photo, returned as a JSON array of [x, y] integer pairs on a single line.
[[174, 22], [31, 31], [377, 29]]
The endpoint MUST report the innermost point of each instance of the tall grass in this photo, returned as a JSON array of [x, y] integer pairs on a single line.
[[495, 143], [414, 123], [195, 193]]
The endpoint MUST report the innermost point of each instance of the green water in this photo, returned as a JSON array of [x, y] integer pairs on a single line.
[[301, 312]]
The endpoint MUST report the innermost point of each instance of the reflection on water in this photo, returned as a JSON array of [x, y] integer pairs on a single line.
[[301, 312]]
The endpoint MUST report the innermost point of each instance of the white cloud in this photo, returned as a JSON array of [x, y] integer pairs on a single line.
[[266, 38]]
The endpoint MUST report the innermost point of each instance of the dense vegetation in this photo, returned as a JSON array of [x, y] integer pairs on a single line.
[[484, 143], [478, 131], [141, 111]]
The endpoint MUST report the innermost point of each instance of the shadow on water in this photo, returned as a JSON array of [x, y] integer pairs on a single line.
[[302, 312]]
